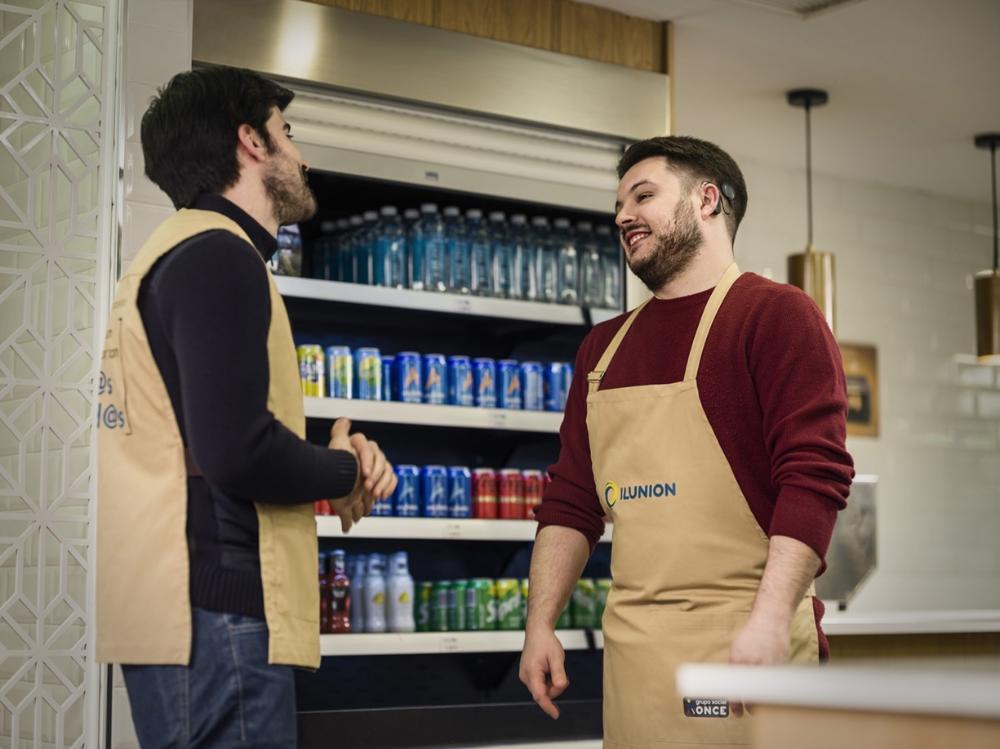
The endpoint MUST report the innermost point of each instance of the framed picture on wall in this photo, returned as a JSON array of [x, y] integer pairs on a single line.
[[861, 370]]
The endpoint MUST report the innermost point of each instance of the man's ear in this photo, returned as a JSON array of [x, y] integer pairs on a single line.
[[250, 143]]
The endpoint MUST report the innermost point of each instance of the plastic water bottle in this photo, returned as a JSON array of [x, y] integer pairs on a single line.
[[591, 270], [568, 282], [400, 598], [345, 250], [340, 593], [414, 251], [435, 252], [325, 252], [547, 267], [364, 249], [389, 264], [287, 260], [357, 568], [459, 277], [612, 267], [525, 282], [480, 254], [375, 594], [503, 256]]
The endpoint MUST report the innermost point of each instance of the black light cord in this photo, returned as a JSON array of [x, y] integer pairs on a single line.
[[809, 182], [996, 241]]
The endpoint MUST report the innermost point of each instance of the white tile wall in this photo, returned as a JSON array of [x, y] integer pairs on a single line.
[[904, 261]]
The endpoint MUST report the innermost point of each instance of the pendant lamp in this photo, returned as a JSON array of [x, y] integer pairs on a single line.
[[988, 281], [813, 271]]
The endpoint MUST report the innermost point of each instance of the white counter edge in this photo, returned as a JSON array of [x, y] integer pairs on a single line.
[[871, 688], [909, 622]]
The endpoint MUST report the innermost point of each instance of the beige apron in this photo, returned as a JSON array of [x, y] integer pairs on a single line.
[[143, 602], [687, 557]]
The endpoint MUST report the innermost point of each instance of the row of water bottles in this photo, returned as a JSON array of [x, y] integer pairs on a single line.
[[491, 255]]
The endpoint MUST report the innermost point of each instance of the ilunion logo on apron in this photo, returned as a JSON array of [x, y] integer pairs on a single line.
[[613, 493]]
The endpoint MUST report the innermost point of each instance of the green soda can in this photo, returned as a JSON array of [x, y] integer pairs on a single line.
[[440, 601], [565, 621], [478, 604], [509, 604], [456, 606], [524, 600], [425, 592], [603, 588], [583, 603]]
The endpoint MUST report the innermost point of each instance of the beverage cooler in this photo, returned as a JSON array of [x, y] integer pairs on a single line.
[[463, 247]]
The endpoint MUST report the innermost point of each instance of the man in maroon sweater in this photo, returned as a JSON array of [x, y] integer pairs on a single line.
[[770, 384]]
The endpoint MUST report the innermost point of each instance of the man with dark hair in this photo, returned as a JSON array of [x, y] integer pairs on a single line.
[[709, 424], [206, 539]]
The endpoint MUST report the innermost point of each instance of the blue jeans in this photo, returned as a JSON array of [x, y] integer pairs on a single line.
[[228, 696]]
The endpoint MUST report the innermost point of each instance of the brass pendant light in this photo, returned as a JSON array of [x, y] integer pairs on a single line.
[[988, 281], [813, 271]]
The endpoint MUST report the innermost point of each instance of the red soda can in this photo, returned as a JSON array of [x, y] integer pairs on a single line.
[[534, 487], [511, 494], [484, 493], [322, 507]]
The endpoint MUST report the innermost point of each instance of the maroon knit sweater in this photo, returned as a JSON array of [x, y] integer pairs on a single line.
[[772, 385]]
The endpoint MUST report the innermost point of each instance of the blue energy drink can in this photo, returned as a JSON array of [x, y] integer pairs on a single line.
[[409, 384], [388, 363], [340, 370], [508, 384], [484, 373], [533, 386], [461, 385], [459, 492], [434, 378], [558, 377], [368, 374], [434, 491], [406, 498]]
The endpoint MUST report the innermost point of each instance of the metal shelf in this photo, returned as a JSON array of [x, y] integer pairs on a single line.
[[436, 529], [391, 412], [453, 304], [413, 643]]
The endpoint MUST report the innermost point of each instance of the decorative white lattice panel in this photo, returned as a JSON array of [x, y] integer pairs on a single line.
[[54, 247]]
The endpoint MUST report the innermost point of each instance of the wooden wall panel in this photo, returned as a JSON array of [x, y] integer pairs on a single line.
[[554, 25], [875, 647], [415, 11], [525, 22], [601, 34]]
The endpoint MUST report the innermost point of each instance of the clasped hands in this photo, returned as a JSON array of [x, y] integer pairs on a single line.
[[376, 477]]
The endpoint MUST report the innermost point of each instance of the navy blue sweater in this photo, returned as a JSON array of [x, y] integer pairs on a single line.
[[206, 309]]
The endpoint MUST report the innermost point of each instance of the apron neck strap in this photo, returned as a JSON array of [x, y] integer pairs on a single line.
[[594, 378], [707, 318]]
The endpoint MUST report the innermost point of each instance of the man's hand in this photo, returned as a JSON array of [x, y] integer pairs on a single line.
[[761, 643], [376, 478], [543, 668]]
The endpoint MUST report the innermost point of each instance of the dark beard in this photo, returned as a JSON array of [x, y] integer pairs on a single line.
[[673, 252], [291, 199]]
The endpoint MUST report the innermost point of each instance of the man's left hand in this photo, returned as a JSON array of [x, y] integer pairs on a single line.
[[761, 642]]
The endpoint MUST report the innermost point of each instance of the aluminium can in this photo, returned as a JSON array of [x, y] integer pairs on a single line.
[[459, 492], [509, 384], [434, 372], [406, 498], [408, 379], [434, 491], [533, 386], [368, 374], [484, 373], [311, 370], [340, 371], [461, 384]]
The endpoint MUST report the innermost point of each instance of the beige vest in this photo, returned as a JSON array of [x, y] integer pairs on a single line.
[[687, 557], [143, 603]]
